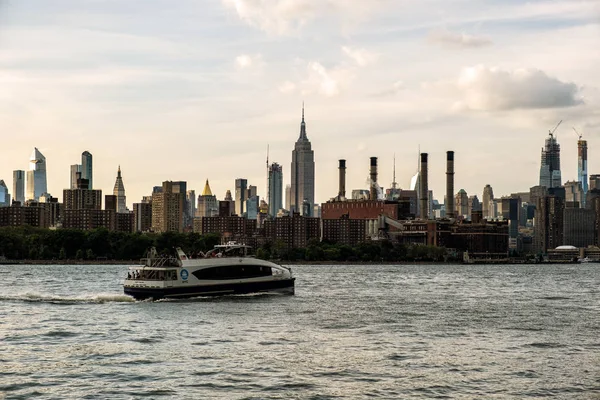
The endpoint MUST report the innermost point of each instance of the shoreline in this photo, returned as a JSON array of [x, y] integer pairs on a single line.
[[280, 262]]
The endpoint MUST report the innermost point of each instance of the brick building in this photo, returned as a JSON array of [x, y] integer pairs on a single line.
[[294, 231], [17, 215]]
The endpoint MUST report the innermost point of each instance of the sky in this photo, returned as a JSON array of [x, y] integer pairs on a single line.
[[194, 90]]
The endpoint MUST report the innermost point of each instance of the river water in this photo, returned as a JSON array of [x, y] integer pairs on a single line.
[[377, 331]]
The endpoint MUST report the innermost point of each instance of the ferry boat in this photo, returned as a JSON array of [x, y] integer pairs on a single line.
[[227, 269]]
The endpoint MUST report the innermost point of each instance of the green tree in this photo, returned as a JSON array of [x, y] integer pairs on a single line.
[[79, 254], [62, 254]]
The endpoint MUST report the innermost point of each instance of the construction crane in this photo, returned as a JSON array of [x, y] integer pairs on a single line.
[[578, 134], [555, 128]]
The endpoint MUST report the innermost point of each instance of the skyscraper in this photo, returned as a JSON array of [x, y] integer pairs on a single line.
[[487, 202], [191, 202], [119, 191], [303, 174], [241, 191], [86, 167], [4, 196], [275, 194], [582, 171], [75, 168], [208, 206], [36, 176], [167, 211], [462, 204], [288, 197], [19, 186], [550, 168]]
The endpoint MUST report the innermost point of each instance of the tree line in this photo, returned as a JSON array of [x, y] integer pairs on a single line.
[[29, 243], [19, 243]]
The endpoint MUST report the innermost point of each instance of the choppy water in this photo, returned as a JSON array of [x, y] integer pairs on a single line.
[[350, 332]]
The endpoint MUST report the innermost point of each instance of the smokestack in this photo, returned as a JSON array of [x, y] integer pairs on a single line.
[[424, 188], [342, 183], [374, 188], [450, 184]]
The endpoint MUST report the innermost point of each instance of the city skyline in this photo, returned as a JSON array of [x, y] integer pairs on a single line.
[[380, 80]]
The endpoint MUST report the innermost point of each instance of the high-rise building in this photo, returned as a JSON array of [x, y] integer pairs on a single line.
[[119, 191], [275, 193], [550, 168], [110, 202], [4, 195], [227, 206], [167, 208], [461, 202], [86, 167], [208, 206], [303, 174], [181, 187], [549, 218], [486, 201], [191, 202], [574, 193], [36, 176], [474, 205], [241, 191], [75, 168], [252, 207], [288, 197], [582, 167], [578, 226], [594, 182], [82, 198], [142, 216], [19, 186]]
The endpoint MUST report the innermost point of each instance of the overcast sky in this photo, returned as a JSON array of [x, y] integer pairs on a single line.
[[191, 89]]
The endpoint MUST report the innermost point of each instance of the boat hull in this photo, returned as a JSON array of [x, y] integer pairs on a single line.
[[284, 286]]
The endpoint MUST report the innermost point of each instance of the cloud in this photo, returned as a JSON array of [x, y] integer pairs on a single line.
[[327, 82], [461, 40], [492, 89], [287, 87], [361, 57], [396, 87], [248, 61], [284, 17]]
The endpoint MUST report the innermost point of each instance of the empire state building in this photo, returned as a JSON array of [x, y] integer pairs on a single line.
[[303, 174]]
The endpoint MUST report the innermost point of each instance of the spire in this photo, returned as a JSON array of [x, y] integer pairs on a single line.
[[207, 191], [303, 126], [119, 171]]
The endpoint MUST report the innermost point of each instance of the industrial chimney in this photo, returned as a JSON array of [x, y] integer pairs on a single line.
[[424, 195], [374, 186], [450, 184], [342, 183]]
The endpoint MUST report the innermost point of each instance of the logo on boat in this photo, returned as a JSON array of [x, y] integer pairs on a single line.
[[184, 274]]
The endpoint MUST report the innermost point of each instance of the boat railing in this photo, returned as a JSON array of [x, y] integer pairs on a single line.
[[158, 262]]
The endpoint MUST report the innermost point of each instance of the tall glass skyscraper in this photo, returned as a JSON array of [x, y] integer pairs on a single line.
[[86, 167], [36, 176], [19, 186], [241, 193], [582, 168], [550, 169], [303, 174], [4, 196], [275, 195]]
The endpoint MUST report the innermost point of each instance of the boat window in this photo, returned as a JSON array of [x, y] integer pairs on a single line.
[[233, 272], [152, 275]]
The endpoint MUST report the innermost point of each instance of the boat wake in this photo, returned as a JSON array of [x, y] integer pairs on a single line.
[[97, 298]]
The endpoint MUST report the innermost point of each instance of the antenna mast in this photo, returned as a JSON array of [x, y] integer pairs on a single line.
[[267, 191]]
